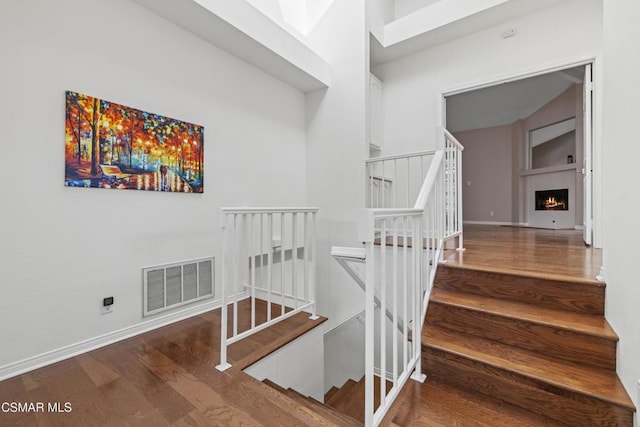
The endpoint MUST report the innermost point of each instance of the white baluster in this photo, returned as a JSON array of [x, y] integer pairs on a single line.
[[294, 258], [383, 308], [269, 264]]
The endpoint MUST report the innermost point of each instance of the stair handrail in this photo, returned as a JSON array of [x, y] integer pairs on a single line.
[[346, 257], [436, 216], [245, 242]]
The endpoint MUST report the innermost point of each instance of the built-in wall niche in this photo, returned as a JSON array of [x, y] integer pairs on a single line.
[[553, 145]]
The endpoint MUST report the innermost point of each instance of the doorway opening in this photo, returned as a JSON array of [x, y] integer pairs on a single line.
[[524, 136]]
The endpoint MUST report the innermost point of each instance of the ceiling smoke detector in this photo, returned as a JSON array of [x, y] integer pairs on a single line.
[[509, 33]]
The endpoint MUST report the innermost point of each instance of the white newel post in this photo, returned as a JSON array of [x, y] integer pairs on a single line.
[[366, 233], [223, 309], [417, 298], [314, 268]]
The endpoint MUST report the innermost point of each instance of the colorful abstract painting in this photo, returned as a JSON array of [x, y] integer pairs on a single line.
[[109, 145]]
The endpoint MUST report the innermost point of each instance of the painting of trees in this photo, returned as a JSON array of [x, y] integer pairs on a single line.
[[108, 145]]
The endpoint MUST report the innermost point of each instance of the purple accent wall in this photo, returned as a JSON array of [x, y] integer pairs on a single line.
[[493, 158], [486, 165]]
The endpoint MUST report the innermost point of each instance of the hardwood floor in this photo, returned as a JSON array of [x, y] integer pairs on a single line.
[[515, 336], [552, 254], [164, 378]]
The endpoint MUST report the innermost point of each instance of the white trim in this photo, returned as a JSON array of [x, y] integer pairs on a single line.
[[596, 155], [523, 74], [241, 210], [516, 224], [34, 362], [401, 156]]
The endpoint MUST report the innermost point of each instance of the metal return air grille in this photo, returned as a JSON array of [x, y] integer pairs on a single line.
[[173, 285]]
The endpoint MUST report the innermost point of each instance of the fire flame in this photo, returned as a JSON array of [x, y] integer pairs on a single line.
[[552, 203]]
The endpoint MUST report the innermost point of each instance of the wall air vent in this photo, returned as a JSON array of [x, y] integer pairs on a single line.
[[173, 285]]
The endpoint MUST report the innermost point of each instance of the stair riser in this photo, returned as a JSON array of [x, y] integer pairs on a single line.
[[342, 394], [572, 408], [577, 297], [542, 339]]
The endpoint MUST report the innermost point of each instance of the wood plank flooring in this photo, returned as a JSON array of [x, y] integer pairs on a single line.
[[550, 254], [165, 377]]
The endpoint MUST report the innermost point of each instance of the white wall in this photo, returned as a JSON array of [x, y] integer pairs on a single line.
[[64, 249], [412, 85], [405, 7], [344, 353], [336, 149], [299, 365], [621, 198]]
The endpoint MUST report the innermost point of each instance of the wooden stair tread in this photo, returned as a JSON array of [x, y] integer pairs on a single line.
[[399, 241], [328, 395], [327, 413], [439, 403], [274, 386], [342, 394], [597, 383], [352, 401], [306, 415], [453, 263], [577, 322], [566, 295], [261, 351]]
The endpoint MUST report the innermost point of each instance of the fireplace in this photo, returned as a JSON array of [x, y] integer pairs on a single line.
[[552, 200]]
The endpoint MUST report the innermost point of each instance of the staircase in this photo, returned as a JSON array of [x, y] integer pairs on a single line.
[[324, 413], [349, 399], [344, 406], [538, 343]]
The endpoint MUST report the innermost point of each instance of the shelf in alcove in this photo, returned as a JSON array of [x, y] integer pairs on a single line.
[[549, 169]]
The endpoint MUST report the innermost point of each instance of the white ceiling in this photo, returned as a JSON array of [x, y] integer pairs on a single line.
[[506, 103], [383, 51], [242, 30]]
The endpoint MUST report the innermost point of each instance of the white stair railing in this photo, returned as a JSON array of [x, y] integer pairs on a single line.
[[402, 249], [453, 188], [269, 256], [398, 272], [394, 181]]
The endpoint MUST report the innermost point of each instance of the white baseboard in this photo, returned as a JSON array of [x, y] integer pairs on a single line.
[[53, 356], [493, 223]]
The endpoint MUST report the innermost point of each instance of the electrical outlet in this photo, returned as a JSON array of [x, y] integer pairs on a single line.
[[107, 305], [491, 213]]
